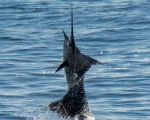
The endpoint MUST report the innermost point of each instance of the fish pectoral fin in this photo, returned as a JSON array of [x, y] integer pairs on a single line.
[[91, 60], [62, 65], [86, 63]]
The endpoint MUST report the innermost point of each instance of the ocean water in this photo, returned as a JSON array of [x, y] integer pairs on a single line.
[[115, 32]]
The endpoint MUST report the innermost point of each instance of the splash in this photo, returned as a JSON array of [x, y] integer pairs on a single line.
[[44, 113]]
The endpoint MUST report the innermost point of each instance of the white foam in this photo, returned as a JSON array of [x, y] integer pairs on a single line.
[[46, 114], [86, 117]]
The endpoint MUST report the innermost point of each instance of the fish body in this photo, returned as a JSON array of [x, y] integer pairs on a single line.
[[74, 62]]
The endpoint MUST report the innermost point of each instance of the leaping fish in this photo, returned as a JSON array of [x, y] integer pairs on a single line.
[[74, 62], [74, 103]]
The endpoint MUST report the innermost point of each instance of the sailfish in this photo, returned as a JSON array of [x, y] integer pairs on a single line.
[[74, 62], [74, 102]]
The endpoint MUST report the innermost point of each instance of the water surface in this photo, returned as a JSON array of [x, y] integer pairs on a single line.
[[112, 31]]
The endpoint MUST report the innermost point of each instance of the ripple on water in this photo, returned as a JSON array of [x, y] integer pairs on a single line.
[[114, 32]]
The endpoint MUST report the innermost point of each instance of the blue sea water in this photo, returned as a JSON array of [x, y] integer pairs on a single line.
[[115, 32]]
